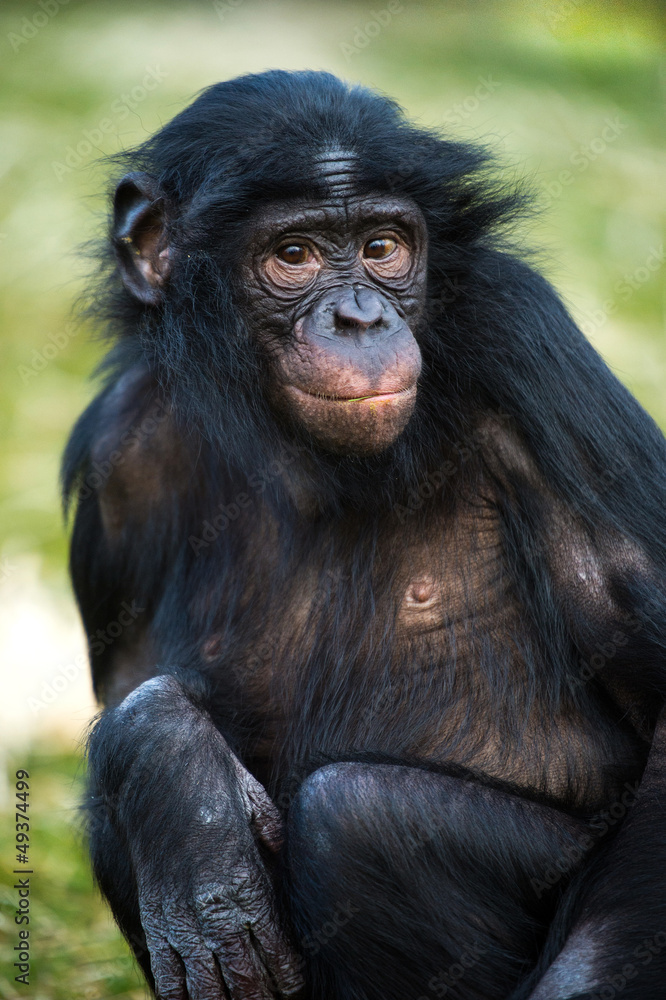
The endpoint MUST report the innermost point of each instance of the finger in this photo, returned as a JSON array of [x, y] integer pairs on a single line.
[[243, 973], [168, 970], [284, 964], [265, 818], [204, 979]]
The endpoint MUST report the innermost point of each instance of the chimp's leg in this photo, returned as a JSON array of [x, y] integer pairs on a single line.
[[405, 883]]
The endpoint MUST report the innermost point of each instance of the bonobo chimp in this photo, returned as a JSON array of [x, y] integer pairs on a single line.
[[383, 714]]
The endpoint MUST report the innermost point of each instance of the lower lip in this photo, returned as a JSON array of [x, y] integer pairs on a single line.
[[382, 397]]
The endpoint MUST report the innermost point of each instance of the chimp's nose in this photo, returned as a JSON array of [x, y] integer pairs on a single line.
[[358, 308]]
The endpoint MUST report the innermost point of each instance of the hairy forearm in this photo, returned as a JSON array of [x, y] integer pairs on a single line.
[[155, 757]]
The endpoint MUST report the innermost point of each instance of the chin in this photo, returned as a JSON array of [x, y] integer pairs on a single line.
[[361, 426]]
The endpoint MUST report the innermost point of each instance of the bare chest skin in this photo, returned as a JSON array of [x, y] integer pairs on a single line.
[[425, 657]]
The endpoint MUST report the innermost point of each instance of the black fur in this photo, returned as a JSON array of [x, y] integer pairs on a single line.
[[497, 340]]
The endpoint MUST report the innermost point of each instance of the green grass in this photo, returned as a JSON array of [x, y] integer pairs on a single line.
[[77, 952]]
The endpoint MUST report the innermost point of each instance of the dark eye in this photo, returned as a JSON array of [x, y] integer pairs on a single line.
[[294, 253], [380, 248]]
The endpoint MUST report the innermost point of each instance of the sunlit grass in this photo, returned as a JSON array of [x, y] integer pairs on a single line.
[[77, 953]]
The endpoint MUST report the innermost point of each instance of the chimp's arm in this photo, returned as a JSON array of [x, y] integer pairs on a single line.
[[581, 485], [181, 834]]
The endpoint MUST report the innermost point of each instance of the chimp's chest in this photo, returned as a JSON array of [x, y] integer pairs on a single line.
[[421, 648]]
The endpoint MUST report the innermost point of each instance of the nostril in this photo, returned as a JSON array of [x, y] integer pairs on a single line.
[[347, 322], [358, 311]]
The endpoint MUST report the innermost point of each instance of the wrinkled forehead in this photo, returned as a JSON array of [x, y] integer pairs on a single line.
[[349, 214], [339, 206], [336, 205], [337, 171]]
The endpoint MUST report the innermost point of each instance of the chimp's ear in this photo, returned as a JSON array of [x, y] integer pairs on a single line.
[[139, 227]]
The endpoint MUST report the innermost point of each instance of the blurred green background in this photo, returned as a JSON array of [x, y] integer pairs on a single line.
[[571, 95]]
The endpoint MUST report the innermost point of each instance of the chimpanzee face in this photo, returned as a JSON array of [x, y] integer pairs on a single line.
[[334, 290]]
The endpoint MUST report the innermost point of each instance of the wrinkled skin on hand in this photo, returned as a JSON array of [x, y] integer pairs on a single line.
[[214, 932]]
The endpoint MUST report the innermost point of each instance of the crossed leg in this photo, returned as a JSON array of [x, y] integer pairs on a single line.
[[414, 885]]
